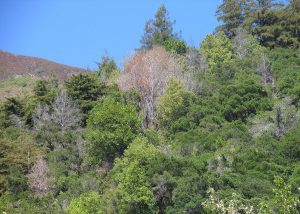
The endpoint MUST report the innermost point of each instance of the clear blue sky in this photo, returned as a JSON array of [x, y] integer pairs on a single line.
[[77, 32]]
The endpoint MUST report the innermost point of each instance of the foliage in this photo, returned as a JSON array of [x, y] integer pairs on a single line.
[[107, 69], [111, 127], [85, 204], [173, 104], [217, 49], [177, 122], [159, 30], [85, 90], [175, 46]]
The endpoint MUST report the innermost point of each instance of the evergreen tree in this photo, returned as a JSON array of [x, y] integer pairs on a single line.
[[107, 68], [233, 14], [159, 30]]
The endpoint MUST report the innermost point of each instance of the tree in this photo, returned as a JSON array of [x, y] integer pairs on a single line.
[[218, 51], [278, 122], [215, 205], [163, 186], [149, 73], [289, 19], [111, 127], [85, 204], [264, 21], [38, 177], [159, 30], [245, 45], [45, 91], [245, 98], [85, 89], [129, 174], [283, 201], [175, 46], [64, 112], [17, 153], [107, 68], [173, 104], [233, 14]]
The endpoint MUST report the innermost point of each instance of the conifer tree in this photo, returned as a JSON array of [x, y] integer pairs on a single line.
[[159, 30]]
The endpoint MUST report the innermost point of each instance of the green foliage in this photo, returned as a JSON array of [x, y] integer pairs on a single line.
[[175, 46], [45, 91], [286, 67], [283, 202], [173, 105], [107, 69], [274, 24], [16, 181], [87, 203], [130, 176], [85, 89], [111, 127], [18, 153], [217, 49], [233, 14], [244, 98], [135, 192], [231, 123], [159, 30]]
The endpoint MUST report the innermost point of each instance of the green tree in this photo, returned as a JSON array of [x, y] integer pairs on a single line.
[[111, 127], [85, 89], [107, 68], [87, 203], [45, 90], [217, 49], [245, 98], [265, 22], [17, 154], [173, 104], [284, 202], [159, 30], [175, 46], [130, 175], [233, 14]]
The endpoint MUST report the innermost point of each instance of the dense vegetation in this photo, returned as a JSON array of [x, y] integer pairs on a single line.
[[214, 129]]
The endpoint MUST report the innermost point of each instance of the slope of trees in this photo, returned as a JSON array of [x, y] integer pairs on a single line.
[[213, 129]]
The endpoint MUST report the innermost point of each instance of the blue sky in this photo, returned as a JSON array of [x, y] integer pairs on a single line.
[[77, 32]]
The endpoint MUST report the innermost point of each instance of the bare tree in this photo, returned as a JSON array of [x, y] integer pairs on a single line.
[[196, 59], [65, 112], [38, 177], [242, 43], [41, 117], [283, 118], [16, 120], [149, 73], [192, 66]]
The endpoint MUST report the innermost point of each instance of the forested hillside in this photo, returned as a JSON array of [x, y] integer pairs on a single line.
[[180, 129]]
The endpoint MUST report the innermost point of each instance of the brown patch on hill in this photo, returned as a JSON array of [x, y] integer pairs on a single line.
[[15, 65]]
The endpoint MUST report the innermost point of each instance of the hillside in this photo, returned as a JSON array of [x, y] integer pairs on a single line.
[[213, 129], [14, 65]]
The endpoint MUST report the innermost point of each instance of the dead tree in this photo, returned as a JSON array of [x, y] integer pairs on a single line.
[[38, 177], [149, 73], [64, 112]]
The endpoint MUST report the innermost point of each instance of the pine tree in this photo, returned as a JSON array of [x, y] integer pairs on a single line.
[[159, 30], [233, 14]]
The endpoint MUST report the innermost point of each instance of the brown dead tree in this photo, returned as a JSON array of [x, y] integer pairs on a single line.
[[149, 72]]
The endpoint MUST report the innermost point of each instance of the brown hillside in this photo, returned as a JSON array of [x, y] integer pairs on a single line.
[[14, 65]]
